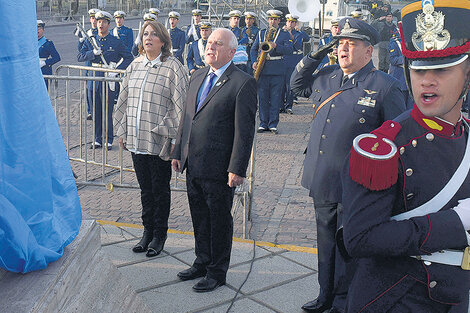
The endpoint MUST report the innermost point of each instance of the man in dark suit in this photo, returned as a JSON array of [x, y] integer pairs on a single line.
[[348, 98], [214, 144]]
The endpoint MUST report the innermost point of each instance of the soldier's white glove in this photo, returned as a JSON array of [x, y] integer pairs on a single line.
[[81, 39], [78, 32], [137, 40], [97, 51], [42, 63], [463, 210]]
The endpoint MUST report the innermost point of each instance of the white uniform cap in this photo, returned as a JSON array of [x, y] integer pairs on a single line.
[[236, 13], [205, 25], [292, 17], [103, 15], [250, 14], [274, 13], [196, 12], [154, 11], [40, 23], [120, 14], [150, 17], [92, 12], [174, 14]]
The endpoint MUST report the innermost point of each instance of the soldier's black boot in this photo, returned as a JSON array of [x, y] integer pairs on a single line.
[[143, 244]]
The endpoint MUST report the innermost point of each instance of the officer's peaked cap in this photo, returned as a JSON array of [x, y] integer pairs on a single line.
[[92, 12], [40, 23], [357, 29], [250, 14], [196, 12], [205, 25], [154, 11], [174, 14], [103, 15], [435, 34], [235, 13], [119, 14], [274, 13], [150, 17]]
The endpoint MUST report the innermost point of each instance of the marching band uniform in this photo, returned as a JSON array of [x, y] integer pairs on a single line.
[[48, 54], [195, 58], [237, 31], [178, 38], [193, 32], [402, 222], [345, 107], [113, 51], [271, 80], [123, 33], [250, 33], [291, 60]]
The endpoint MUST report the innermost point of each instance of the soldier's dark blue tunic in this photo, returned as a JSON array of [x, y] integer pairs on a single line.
[[113, 51], [177, 42], [387, 278], [237, 31], [89, 98], [125, 34], [49, 54], [194, 59], [190, 37]]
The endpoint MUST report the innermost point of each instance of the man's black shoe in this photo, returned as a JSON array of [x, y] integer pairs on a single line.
[[191, 273], [316, 306], [156, 245], [207, 284], [143, 244]]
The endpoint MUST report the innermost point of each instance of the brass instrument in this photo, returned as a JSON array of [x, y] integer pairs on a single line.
[[266, 46], [332, 58]]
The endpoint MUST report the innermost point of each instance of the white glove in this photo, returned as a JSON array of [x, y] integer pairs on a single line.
[[112, 74], [42, 63], [97, 51], [81, 39], [137, 40], [78, 32], [463, 210]]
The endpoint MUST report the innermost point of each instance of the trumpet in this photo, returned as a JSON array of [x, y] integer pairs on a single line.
[[266, 46]]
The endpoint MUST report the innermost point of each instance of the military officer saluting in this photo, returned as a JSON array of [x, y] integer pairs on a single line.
[[407, 184], [122, 32], [177, 36], [135, 47], [234, 22], [349, 99], [48, 54], [193, 32], [298, 38], [114, 52], [326, 39], [250, 31], [271, 76], [195, 59]]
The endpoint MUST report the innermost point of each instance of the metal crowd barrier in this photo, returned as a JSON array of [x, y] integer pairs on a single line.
[[100, 167]]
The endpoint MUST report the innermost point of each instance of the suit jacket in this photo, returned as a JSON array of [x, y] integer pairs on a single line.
[[368, 99], [218, 138]]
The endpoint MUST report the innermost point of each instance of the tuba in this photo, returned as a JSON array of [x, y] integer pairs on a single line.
[[266, 46], [307, 10]]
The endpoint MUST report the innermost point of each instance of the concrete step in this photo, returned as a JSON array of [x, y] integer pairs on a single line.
[[83, 280]]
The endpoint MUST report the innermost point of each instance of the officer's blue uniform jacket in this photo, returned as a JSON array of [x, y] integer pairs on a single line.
[[250, 39], [294, 58], [190, 38], [237, 31], [284, 47], [368, 99], [177, 42], [194, 59], [48, 52], [94, 32], [113, 50], [428, 157], [125, 34]]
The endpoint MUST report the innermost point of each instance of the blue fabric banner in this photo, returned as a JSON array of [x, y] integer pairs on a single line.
[[40, 210]]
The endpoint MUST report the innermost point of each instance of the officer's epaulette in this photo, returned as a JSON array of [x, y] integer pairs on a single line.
[[373, 159]]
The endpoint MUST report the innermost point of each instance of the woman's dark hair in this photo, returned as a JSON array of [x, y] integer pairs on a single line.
[[162, 34]]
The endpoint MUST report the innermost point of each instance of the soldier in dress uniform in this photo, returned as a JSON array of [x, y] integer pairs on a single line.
[[234, 22], [250, 31], [348, 98], [406, 185], [122, 32], [326, 39], [135, 48], [193, 32], [298, 38], [113, 50], [48, 54], [195, 59], [81, 40], [178, 37], [271, 80]]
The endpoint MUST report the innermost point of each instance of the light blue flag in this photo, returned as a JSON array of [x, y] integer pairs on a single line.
[[40, 210]]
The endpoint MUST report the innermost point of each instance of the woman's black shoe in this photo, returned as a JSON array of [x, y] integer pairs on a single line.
[[156, 245], [143, 244]]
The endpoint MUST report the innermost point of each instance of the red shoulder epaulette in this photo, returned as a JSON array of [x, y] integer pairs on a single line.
[[373, 159]]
